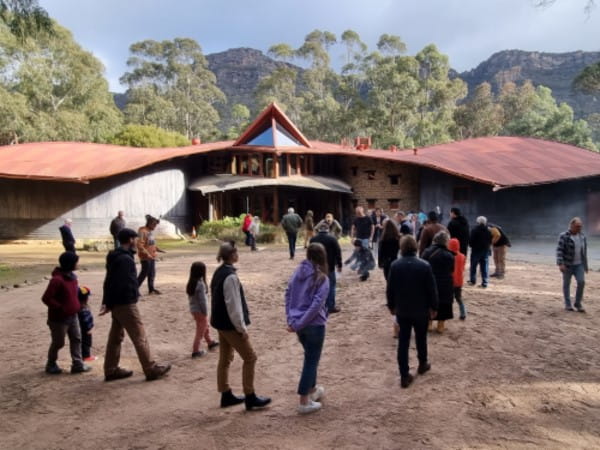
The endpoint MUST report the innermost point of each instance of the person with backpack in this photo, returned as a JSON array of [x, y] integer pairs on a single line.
[[500, 244]]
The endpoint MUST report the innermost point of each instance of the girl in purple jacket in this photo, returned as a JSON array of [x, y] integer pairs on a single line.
[[306, 316]]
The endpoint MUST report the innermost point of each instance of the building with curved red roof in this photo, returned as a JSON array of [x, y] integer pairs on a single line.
[[272, 166]]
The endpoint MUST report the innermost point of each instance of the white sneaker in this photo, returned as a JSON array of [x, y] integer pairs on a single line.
[[318, 393], [309, 407]]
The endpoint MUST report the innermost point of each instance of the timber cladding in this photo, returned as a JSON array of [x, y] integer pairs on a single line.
[[385, 184]]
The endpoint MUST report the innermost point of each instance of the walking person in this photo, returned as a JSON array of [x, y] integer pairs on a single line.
[[197, 291], [335, 229], [120, 297], [500, 244], [309, 227], [571, 259], [362, 228], [389, 245], [253, 230], [246, 227], [458, 227], [147, 251], [334, 260], [86, 323], [458, 275], [480, 241], [412, 297], [429, 230], [230, 316], [442, 264], [305, 309], [66, 234], [291, 223], [116, 225], [378, 218], [63, 305]]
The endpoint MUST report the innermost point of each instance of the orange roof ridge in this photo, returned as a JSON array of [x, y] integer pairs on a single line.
[[269, 117]]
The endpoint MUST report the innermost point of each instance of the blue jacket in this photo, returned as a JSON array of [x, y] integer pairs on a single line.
[[305, 299]]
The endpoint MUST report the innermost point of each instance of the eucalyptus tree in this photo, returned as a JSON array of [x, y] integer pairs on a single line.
[[53, 89], [25, 18], [170, 86], [481, 115]]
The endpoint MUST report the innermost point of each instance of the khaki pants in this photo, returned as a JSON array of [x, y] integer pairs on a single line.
[[500, 259], [127, 318], [230, 340]]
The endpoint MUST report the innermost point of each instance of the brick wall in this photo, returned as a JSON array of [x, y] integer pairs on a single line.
[[371, 180]]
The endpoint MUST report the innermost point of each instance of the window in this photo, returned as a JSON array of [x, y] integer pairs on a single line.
[[394, 203], [371, 202], [370, 174], [269, 167], [254, 165], [293, 165], [354, 171], [394, 179], [244, 168], [283, 168], [461, 194]]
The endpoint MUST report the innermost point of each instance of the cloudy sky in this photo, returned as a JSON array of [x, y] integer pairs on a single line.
[[468, 31]]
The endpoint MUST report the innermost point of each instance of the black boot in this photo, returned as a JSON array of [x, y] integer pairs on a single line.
[[228, 399], [254, 401]]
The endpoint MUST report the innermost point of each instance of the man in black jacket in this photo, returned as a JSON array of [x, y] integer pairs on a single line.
[[480, 241], [412, 296], [120, 298], [334, 259], [458, 227]]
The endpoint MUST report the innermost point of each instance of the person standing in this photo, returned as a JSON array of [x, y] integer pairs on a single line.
[[116, 225], [246, 227], [291, 223], [86, 323], [335, 229], [309, 227], [66, 234], [480, 241], [254, 230], [500, 244], [61, 299], [147, 250], [458, 227], [412, 297], [230, 316], [458, 275], [334, 260], [442, 264], [378, 218], [120, 297], [305, 300], [571, 259], [362, 228], [389, 245], [197, 291], [429, 231]]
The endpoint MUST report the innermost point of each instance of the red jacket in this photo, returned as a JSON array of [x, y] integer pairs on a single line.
[[61, 296], [247, 222], [459, 262]]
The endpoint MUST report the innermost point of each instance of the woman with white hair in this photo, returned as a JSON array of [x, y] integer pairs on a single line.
[[442, 264], [480, 241]]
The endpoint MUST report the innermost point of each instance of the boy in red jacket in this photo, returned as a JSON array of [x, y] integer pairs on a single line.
[[63, 306], [458, 275]]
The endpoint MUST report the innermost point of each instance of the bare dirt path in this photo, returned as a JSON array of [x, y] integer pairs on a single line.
[[518, 373]]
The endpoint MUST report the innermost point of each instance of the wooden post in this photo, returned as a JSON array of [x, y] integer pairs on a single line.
[[275, 206]]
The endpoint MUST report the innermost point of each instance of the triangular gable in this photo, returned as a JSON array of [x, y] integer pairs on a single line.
[[272, 128]]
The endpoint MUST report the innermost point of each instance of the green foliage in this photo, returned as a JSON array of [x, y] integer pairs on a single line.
[[25, 18], [170, 86], [52, 89], [480, 116], [214, 229], [588, 80], [148, 136]]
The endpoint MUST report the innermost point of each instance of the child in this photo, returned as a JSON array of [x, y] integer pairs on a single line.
[[86, 323], [364, 260], [196, 290], [254, 230], [459, 266], [61, 298]]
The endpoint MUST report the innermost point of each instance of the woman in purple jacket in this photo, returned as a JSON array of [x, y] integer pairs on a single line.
[[306, 316]]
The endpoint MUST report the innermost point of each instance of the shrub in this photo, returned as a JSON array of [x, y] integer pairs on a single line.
[[215, 228], [148, 136]]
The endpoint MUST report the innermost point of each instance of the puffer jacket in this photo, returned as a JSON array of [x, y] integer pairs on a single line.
[[305, 297]]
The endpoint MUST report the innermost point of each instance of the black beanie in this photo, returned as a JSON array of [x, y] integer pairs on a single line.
[[67, 261]]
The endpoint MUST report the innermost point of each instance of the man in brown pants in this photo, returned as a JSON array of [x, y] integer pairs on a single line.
[[120, 298], [230, 317]]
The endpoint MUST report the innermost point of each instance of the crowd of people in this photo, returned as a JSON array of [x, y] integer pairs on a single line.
[[422, 261]]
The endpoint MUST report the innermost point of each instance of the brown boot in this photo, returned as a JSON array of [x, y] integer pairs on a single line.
[[158, 371], [440, 326]]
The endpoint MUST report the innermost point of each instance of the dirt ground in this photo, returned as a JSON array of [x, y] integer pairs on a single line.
[[518, 373]]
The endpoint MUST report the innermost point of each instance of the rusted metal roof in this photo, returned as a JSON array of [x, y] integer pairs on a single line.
[[81, 162], [498, 161]]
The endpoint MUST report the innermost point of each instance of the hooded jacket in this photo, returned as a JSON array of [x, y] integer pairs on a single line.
[[120, 283], [459, 262], [61, 295], [305, 299]]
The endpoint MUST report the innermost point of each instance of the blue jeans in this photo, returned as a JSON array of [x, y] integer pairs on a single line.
[[311, 338], [292, 243], [330, 302], [148, 270], [578, 272], [480, 258]]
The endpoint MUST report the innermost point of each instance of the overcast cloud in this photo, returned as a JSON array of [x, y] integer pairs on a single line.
[[468, 31]]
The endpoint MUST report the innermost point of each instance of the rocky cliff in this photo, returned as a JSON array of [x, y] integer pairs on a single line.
[[554, 70]]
